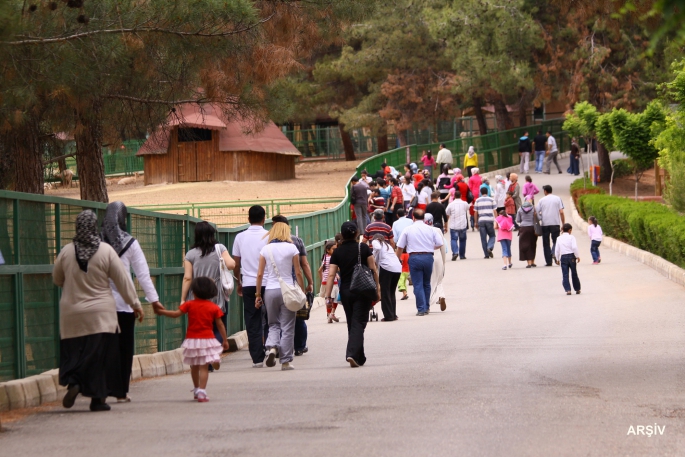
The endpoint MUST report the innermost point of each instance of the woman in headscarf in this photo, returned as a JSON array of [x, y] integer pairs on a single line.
[[129, 251], [475, 182], [500, 192], [528, 240], [470, 161], [89, 351], [437, 291], [515, 189]]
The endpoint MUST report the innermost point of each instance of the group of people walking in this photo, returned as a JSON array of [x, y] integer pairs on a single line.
[[367, 263]]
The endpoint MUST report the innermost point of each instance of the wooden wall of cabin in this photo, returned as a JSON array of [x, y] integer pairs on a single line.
[[163, 168], [254, 166]]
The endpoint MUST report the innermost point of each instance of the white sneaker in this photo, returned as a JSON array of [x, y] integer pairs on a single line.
[[258, 365], [287, 366], [271, 357]]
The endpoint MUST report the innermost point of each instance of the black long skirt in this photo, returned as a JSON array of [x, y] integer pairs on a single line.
[[92, 362], [528, 241]]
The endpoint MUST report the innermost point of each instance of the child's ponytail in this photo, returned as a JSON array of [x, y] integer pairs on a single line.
[[593, 220]]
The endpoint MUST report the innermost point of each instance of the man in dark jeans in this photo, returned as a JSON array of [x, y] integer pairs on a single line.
[[246, 249], [550, 210], [300, 324]]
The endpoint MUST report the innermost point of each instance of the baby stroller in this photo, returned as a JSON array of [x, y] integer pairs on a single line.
[[372, 314]]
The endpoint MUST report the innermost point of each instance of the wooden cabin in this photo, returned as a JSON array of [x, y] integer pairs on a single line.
[[200, 144]]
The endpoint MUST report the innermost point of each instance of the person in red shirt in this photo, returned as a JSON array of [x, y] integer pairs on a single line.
[[200, 348], [417, 178]]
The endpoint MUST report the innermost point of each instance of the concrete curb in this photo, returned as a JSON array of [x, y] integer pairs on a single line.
[[44, 388], [666, 268]]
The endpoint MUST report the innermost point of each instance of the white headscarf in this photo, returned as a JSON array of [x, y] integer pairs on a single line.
[[471, 151]]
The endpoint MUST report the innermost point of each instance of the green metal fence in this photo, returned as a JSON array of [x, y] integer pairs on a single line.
[[33, 229], [231, 214]]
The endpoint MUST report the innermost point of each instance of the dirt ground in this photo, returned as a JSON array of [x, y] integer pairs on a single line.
[[625, 186], [313, 179]]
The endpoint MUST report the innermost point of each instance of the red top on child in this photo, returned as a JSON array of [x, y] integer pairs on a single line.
[[201, 316]]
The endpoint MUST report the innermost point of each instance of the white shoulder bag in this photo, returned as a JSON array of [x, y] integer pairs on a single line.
[[227, 283], [293, 297]]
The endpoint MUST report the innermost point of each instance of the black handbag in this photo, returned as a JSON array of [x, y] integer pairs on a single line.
[[363, 283], [303, 313]]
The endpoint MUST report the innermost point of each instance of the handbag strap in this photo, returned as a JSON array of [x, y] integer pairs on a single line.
[[359, 254], [273, 263]]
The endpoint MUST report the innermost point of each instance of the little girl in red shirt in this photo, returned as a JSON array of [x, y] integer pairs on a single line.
[[200, 348]]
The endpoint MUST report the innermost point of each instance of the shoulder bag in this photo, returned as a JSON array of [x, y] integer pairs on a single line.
[[536, 223], [363, 282], [226, 277], [414, 201], [293, 297]]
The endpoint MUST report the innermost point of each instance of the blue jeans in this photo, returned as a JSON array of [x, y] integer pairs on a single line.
[[506, 248], [458, 242], [568, 262], [539, 160], [487, 236], [421, 269], [594, 250]]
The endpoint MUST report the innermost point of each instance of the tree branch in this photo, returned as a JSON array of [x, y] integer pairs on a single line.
[[37, 40]]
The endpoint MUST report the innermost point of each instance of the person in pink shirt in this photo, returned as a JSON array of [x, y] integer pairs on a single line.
[[530, 190], [504, 226], [428, 162], [475, 182]]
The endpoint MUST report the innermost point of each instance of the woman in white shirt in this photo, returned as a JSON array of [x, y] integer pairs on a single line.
[[408, 191], [281, 252], [129, 251], [500, 192], [425, 190], [388, 276]]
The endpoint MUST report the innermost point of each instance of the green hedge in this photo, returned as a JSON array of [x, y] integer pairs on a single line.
[[622, 167], [649, 226], [578, 185]]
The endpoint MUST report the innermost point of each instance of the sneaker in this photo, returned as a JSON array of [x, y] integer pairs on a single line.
[[353, 363], [454, 257], [595, 263], [202, 396], [335, 319], [510, 265], [287, 366], [70, 396], [490, 254], [529, 266], [194, 391], [443, 305], [305, 350], [330, 321], [216, 365], [428, 311], [420, 314], [568, 293], [271, 357], [462, 258], [298, 353], [577, 292], [125, 399], [406, 297], [534, 266], [504, 268], [599, 260], [258, 365]]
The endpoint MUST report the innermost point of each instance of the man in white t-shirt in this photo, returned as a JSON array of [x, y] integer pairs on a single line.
[[246, 249], [552, 154], [444, 157], [458, 217], [550, 210]]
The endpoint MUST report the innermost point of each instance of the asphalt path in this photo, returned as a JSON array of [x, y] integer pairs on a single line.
[[513, 367]]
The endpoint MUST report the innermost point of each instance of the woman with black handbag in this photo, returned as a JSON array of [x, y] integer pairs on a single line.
[[359, 287]]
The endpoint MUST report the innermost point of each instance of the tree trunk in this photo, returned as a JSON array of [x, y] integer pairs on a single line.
[[502, 114], [402, 137], [604, 162], [28, 157], [347, 143], [382, 138], [480, 116], [523, 113], [89, 161]]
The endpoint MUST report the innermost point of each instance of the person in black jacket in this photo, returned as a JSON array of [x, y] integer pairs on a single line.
[[540, 145], [525, 148]]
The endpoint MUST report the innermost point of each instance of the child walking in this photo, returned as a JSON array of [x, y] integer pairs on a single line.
[[323, 274], [594, 231], [404, 276], [504, 225], [510, 207], [200, 348], [567, 253]]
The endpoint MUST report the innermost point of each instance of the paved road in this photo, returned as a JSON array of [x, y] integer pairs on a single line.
[[514, 367]]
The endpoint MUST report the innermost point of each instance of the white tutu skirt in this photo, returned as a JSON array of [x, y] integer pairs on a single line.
[[201, 351]]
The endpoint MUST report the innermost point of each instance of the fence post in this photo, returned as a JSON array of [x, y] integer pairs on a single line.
[[161, 337], [20, 338]]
